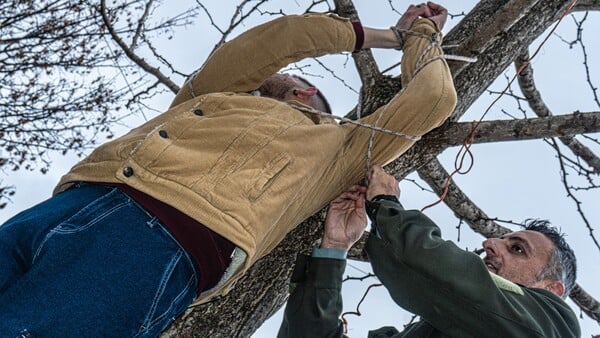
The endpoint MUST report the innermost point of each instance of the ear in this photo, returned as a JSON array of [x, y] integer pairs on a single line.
[[556, 287]]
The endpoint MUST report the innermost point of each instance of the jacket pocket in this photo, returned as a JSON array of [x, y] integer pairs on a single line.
[[268, 176]]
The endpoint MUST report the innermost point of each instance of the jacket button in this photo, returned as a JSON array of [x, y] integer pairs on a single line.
[[198, 112], [163, 134], [128, 171]]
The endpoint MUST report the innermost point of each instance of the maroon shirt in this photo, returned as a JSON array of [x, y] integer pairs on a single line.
[[210, 252]]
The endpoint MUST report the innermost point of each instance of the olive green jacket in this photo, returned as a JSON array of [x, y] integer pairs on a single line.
[[251, 168], [451, 289]]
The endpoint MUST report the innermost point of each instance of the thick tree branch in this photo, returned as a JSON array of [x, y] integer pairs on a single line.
[[488, 18], [453, 134], [587, 5], [365, 62], [534, 98], [506, 40], [436, 176], [134, 57], [370, 76], [586, 302]]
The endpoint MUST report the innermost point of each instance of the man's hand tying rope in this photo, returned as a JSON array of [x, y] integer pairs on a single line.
[[432, 11]]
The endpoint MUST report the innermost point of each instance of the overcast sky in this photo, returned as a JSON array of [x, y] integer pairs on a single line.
[[511, 181]]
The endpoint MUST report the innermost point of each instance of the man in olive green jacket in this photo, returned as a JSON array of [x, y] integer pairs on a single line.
[[179, 208], [515, 291]]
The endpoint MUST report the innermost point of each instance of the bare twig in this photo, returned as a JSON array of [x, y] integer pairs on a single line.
[[570, 194], [141, 22], [539, 107], [165, 80]]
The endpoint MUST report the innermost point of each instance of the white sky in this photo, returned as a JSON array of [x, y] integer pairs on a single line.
[[511, 181]]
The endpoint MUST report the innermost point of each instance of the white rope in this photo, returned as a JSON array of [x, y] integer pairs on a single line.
[[358, 123], [460, 58]]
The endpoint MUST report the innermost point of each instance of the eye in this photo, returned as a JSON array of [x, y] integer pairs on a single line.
[[517, 248]]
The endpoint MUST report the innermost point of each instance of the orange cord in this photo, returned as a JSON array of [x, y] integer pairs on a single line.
[[465, 149]]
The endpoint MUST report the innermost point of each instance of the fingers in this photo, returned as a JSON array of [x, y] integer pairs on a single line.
[[426, 11], [411, 14], [356, 194], [350, 195], [430, 10], [381, 183], [418, 10], [436, 8], [439, 14], [359, 188]]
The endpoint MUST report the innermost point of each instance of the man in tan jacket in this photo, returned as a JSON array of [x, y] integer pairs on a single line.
[[179, 208]]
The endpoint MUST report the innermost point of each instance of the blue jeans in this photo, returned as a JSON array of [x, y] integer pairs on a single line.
[[90, 261]]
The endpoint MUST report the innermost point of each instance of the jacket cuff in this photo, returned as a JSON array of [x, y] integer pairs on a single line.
[[373, 207], [332, 253], [374, 203], [322, 273], [360, 35]]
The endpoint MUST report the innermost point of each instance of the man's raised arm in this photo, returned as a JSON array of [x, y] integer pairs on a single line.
[[242, 64]]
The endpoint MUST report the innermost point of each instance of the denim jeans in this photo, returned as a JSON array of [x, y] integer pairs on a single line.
[[90, 261]]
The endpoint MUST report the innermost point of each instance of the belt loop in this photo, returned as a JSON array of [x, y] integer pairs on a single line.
[[152, 222], [25, 334]]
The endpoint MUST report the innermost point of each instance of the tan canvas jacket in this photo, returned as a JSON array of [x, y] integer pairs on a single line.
[[252, 168]]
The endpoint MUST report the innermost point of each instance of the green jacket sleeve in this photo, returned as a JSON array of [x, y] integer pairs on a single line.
[[315, 302], [451, 289], [242, 64]]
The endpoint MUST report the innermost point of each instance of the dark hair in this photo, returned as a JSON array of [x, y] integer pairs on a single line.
[[325, 104], [562, 264]]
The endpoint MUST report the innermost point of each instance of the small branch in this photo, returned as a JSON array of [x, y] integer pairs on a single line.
[[141, 23], [132, 56], [585, 59], [237, 18], [334, 75], [570, 194], [537, 104]]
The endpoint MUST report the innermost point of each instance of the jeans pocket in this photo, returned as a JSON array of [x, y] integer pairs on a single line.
[[175, 291], [86, 218], [91, 215]]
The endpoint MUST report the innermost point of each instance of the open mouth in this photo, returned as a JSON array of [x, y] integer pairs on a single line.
[[490, 266]]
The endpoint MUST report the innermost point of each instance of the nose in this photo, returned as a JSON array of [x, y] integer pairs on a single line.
[[490, 246]]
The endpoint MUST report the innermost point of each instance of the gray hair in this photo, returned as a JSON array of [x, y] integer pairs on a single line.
[[562, 264]]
